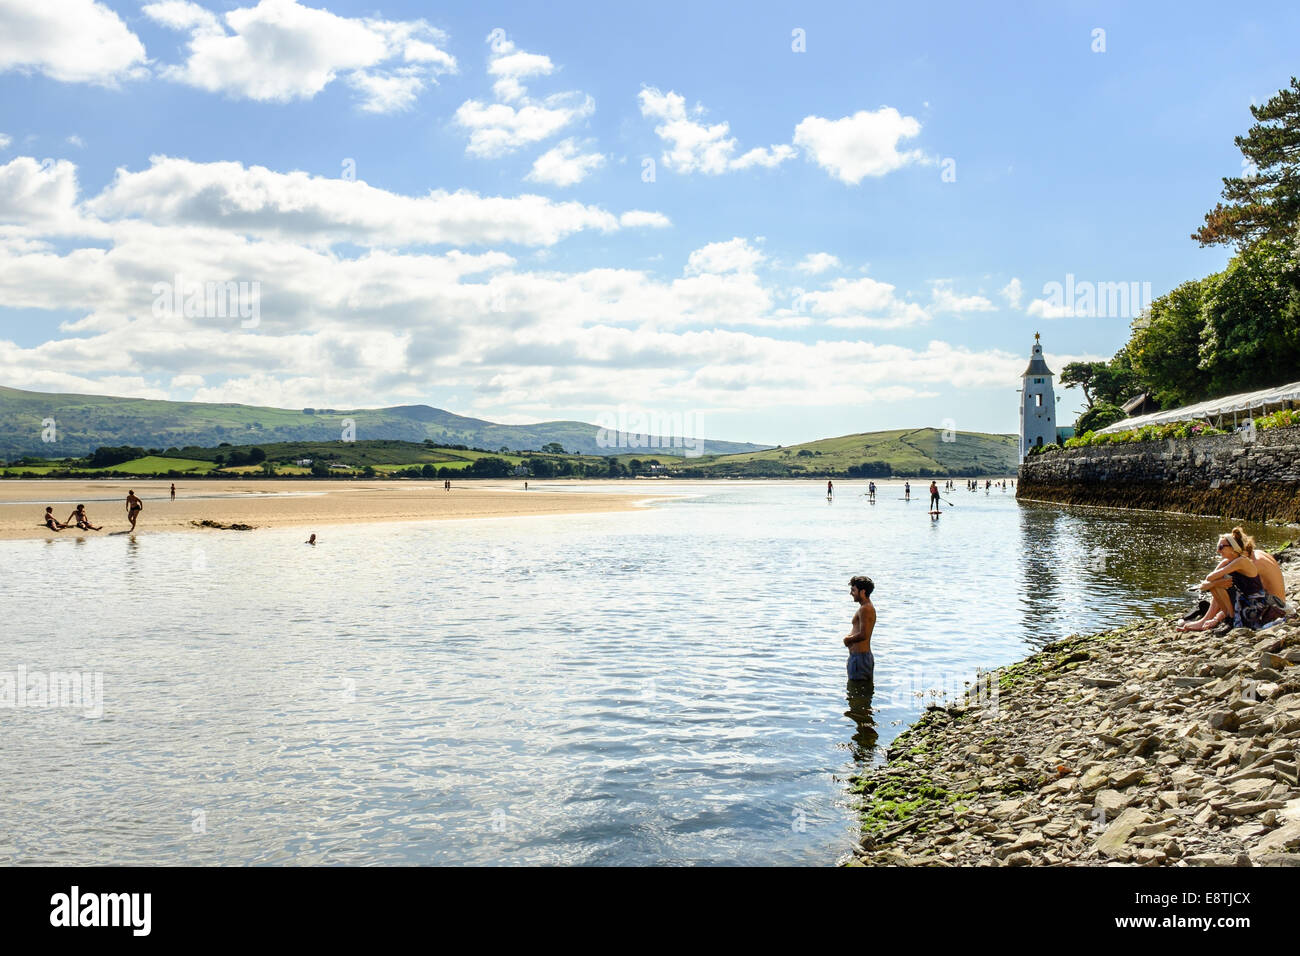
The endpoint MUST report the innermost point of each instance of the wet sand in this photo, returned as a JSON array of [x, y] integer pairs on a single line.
[[279, 504]]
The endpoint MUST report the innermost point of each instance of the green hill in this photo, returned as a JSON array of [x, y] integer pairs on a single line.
[[902, 452], [86, 422]]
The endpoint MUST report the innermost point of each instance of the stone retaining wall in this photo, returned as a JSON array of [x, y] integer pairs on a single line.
[[1220, 475]]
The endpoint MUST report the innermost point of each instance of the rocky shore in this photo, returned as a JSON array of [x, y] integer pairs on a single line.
[[1138, 746]]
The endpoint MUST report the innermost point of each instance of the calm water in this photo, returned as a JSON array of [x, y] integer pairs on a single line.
[[662, 686]]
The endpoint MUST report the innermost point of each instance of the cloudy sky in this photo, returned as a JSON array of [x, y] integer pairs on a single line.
[[791, 223]]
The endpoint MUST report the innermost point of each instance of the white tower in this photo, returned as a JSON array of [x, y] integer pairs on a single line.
[[1037, 404]]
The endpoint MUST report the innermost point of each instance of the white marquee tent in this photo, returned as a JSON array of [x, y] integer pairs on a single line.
[[1244, 404]]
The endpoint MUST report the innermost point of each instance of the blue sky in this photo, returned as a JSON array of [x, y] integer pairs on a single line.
[[450, 204]]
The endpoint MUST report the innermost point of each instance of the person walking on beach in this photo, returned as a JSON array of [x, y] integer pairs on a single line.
[[907, 491], [862, 663], [173, 491], [934, 496], [871, 490], [133, 507], [830, 488], [446, 485]]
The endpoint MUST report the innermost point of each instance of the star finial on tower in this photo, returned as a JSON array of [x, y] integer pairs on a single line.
[[1035, 336]]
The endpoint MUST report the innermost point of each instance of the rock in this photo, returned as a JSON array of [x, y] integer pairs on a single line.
[[1110, 802], [1112, 841], [1151, 829], [1284, 838], [1168, 799], [1248, 809], [1218, 859], [1277, 859], [1019, 859], [1126, 778], [1100, 681], [1006, 809], [1093, 778]]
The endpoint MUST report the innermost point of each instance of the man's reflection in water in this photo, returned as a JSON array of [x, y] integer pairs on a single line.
[[859, 694]]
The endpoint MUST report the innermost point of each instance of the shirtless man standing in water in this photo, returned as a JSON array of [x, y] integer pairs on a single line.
[[862, 663]]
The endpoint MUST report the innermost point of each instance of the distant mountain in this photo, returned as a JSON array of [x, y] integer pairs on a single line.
[[906, 452], [86, 422]]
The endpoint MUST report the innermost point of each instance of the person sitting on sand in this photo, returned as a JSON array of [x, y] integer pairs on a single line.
[[50, 521], [1237, 589], [1270, 572], [81, 519], [133, 506]]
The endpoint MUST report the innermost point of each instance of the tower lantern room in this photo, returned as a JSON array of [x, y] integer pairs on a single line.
[[1037, 403]]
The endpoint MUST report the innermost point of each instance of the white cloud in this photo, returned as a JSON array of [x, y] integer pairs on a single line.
[[77, 141], [815, 263], [1047, 309], [388, 91], [734, 255], [73, 41], [861, 145], [862, 303], [692, 146], [497, 129], [635, 218], [344, 329], [320, 210], [42, 194], [5, 141], [1013, 293], [280, 50], [564, 165], [944, 299]]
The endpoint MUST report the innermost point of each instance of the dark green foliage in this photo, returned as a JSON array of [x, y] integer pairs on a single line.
[[1099, 416]]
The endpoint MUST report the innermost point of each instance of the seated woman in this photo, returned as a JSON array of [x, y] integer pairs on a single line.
[[51, 522], [1238, 594], [82, 520]]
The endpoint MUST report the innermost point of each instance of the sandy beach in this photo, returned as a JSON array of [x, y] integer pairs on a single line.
[[279, 504]]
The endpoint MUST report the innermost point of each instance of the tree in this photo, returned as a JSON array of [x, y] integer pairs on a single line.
[[1119, 380], [1166, 346], [1081, 375], [1264, 202], [1099, 416], [490, 467], [1250, 338], [553, 448]]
